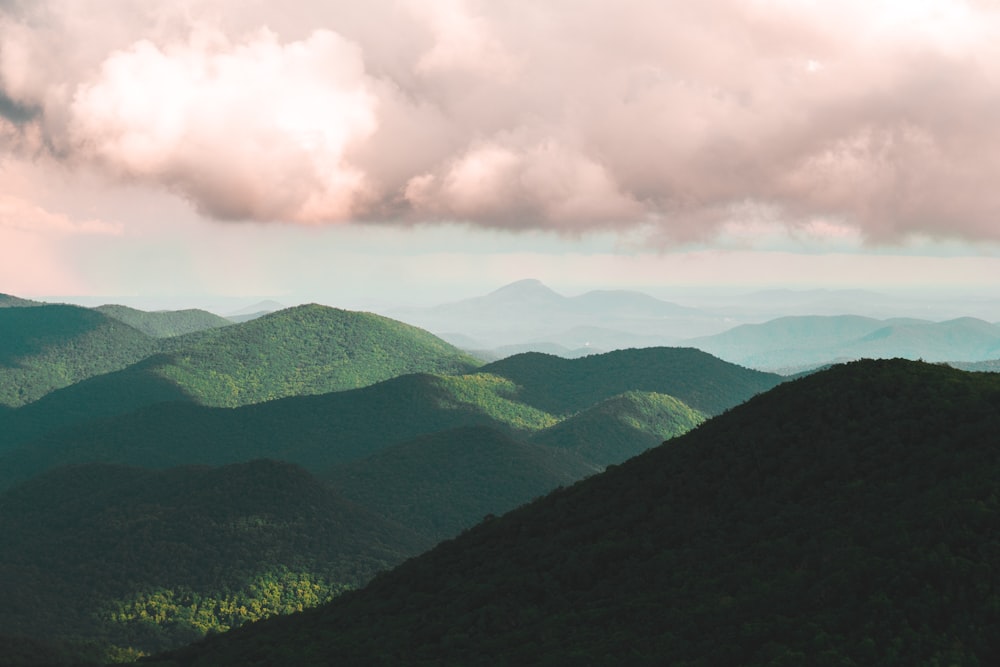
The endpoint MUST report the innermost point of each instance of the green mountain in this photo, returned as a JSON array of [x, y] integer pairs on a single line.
[[621, 427], [10, 301], [144, 560], [167, 323], [851, 517], [566, 386], [47, 347], [308, 349], [314, 431], [442, 483], [321, 431], [304, 350]]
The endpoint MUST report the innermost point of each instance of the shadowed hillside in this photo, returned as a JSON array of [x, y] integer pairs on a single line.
[[441, 483], [46, 347], [145, 559], [564, 386], [850, 517], [313, 431], [321, 431], [305, 350]]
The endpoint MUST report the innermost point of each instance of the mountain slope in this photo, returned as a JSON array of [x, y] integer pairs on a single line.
[[305, 350], [308, 349], [850, 517], [313, 431], [10, 301], [442, 483], [621, 427], [163, 324], [145, 559], [565, 386], [46, 347]]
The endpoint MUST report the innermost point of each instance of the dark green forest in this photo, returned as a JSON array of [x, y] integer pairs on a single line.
[[143, 559], [123, 541], [847, 518]]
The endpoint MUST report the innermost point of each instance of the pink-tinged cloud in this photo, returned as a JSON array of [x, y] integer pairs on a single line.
[[682, 118]]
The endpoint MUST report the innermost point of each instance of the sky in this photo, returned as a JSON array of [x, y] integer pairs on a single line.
[[419, 151]]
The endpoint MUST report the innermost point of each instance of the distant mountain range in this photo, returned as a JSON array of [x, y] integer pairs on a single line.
[[527, 312], [850, 517], [528, 316], [795, 343]]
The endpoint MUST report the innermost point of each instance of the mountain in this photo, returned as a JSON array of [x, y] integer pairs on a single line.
[[565, 386], [850, 517], [144, 560], [444, 482], [528, 311], [797, 342], [621, 427], [47, 347], [10, 301], [166, 323], [304, 350], [314, 431], [524, 393], [308, 349]]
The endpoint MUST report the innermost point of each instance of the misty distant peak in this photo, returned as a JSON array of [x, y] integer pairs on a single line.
[[529, 288]]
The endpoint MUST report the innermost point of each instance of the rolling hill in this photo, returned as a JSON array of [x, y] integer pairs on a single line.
[[10, 301], [444, 482], [46, 347], [850, 517], [314, 431], [167, 323], [140, 559], [524, 393], [621, 427], [304, 350], [566, 386]]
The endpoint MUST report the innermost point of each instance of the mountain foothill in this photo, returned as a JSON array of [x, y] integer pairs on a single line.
[[321, 486]]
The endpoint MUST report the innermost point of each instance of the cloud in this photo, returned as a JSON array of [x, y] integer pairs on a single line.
[[669, 116]]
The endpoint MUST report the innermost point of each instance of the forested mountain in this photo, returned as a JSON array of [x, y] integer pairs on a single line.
[[143, 559], [163, 324], [620, 427], [304, 350], [441, 483], [565, 386], [308, 349], [313, 431], [851, 517], [321, 431], [46, 347], [10, 301], [790, 343]]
